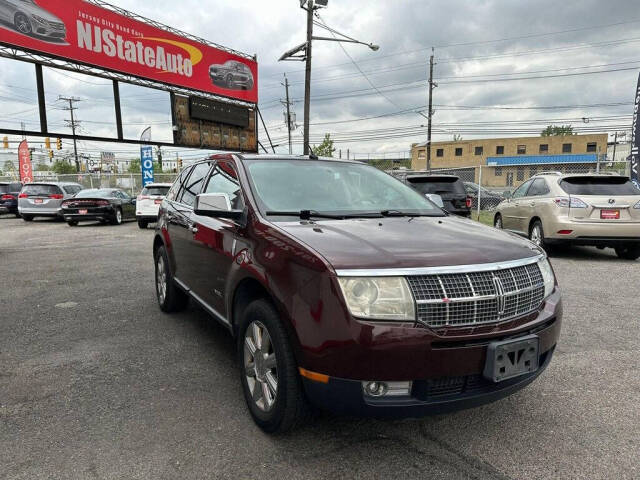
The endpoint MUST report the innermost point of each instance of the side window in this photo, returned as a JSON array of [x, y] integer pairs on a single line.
[[224, 179], [175, 188], [193, 184], [521, 191], [538, 188]]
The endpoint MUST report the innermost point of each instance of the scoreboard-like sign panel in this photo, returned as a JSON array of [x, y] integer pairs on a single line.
[[203, 123], [83, 32]]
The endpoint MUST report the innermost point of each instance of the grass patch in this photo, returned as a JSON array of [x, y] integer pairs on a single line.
[[484, 217]]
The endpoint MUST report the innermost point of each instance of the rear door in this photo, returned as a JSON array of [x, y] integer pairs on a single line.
[[609, 199]]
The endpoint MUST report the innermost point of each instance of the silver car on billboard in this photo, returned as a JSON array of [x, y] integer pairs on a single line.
[[27, 17]]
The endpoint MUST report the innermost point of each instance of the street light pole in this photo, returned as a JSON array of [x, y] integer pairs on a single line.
[[307, 78]]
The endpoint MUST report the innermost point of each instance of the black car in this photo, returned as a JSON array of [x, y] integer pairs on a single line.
[[104, 204], [488, 199], [449, 187], [9, 192]]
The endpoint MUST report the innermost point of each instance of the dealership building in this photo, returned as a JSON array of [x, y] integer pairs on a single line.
[[515, 159]]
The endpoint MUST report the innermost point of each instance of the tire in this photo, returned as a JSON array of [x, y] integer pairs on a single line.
[[170, 297], [628, 253], [117, 217], [279, 408], [27, 218], [143, 224], [536, 235], [22, 24], [72, 223], [497, 222]]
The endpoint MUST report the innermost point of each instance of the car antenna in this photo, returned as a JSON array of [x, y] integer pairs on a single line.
[[312, 155]]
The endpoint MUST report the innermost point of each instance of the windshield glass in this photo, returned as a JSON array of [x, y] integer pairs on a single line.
[[99, 193], [290, 185], [438, 185], [599, 186]]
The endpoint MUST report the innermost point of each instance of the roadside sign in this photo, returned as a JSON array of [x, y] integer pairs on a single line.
[[146, 164]]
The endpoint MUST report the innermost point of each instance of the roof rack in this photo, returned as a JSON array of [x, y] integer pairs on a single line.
[[549, 172]]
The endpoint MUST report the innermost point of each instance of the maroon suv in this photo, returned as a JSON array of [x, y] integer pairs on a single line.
[[348, 290]]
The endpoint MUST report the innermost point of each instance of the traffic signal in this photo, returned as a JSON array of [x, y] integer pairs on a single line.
[[5, 142], [51, 154], [179, 164], [59, 144], [47, 143]]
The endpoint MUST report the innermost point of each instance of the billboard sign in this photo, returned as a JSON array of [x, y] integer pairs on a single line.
[[635, 139], [146, 164], [24, 163], [86, 33]]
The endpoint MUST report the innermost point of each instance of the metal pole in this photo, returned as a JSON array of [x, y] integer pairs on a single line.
[[615, 142], [307, 78], [479, 190], [73, 132], [286, 87], [430, 111]]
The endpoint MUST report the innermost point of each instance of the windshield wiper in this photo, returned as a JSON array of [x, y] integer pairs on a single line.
[[400, 213], [306, 214]]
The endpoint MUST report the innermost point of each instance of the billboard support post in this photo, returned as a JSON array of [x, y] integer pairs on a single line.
[[41, 100], [116, 101]]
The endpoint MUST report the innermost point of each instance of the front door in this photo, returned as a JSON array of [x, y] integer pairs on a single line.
[[215, 239], [513, 213]]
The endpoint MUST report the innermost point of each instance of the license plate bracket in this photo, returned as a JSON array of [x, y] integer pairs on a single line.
[[610, 214], [512, 358]]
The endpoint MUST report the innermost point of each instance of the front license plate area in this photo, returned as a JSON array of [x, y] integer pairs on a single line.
[[511, 358], [610, 214]]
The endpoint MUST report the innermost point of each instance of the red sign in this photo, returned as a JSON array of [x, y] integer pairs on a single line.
[[86, 33], [24, 163]]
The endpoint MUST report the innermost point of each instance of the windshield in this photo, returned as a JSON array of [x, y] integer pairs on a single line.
[[599, 186], [438, 185], [290, 185], [98, 193]]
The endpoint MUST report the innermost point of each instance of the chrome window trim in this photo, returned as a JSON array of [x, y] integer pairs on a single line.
[[402, 272]]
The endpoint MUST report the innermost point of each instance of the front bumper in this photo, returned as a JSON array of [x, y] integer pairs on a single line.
[[427, 397]]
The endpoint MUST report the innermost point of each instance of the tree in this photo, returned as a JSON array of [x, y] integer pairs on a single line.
[[9, 166], [457, 137], [134, 166], [63, 168], [41, 167], [326, 148], [557, 131]]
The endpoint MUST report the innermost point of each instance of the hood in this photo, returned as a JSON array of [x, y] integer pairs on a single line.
[[32, 9], [400, 243]]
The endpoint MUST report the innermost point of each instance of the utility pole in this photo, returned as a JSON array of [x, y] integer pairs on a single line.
[[73, 124], [160, 157], [286, 87], [615, 143], [307, 78], [432, 85]]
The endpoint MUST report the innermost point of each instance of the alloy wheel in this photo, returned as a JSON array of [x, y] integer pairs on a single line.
[[498, 223], [260, 366], [22, 24], [536, 235], [161, 279], [118, 217]]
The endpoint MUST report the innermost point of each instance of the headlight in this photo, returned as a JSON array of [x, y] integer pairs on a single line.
[[382, 298], [547, 275]]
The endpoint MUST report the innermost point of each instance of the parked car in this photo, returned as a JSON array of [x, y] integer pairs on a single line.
[[43, 199], [347, 289], [9, 192], [27, 17], [597, 210], [449, 187], [148, 203], [232, 74], [488, 198], [103, 204]]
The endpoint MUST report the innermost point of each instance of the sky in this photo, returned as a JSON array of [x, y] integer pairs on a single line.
[[503, 68]]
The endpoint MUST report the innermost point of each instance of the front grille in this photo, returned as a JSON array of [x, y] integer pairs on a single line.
[[458, 299]]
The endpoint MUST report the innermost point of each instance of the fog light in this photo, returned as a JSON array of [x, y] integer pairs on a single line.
[[386, 389]]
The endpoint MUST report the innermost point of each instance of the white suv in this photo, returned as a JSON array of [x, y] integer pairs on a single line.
[[149, 202]]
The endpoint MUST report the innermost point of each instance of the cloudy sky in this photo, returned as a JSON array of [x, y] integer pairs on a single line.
[[503, 68]]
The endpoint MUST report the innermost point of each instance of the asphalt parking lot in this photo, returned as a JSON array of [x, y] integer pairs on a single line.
[[96, 382]]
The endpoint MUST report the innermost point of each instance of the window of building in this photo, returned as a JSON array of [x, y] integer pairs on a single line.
[[544, 147], [592, 147], [458, 152], [478, 150], [500, 150], [566, 148], [440, 152], [522, 149], [422, 155], [498, 171], [520, 174]]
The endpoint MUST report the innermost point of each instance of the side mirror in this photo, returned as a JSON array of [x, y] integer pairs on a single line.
[[217, 205], [435, 198]]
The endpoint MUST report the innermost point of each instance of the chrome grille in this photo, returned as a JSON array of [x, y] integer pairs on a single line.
[[459, 299]]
